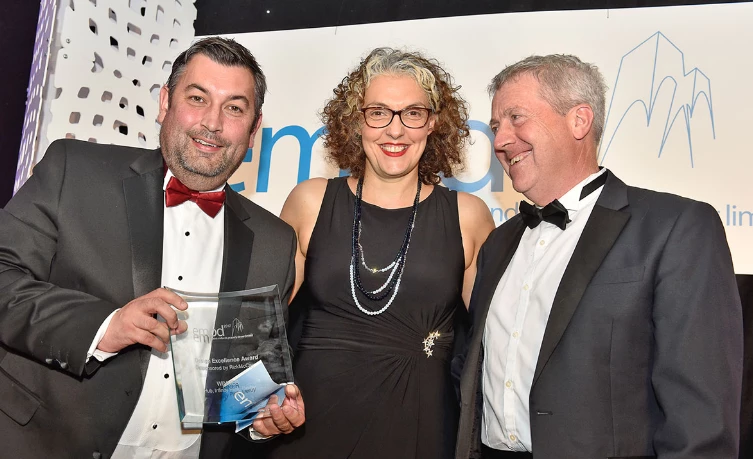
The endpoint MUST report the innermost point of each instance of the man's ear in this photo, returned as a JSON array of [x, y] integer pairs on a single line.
[[254, 131], [581, 120], [164, 103]]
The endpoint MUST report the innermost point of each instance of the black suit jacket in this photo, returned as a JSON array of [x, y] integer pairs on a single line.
[[642, 352], [81, 238]]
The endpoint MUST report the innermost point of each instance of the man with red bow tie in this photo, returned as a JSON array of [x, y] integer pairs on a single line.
[[85, 245]]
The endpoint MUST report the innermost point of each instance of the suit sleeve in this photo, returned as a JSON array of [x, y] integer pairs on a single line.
[[458, 360], [50, 324], [697, 368]]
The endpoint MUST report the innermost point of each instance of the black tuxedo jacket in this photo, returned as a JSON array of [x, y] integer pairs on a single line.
[[642, 352], [81, 238]]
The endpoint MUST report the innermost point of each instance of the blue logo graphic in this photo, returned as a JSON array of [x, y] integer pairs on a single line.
[[655, 71], [495, 174], [269, 138]]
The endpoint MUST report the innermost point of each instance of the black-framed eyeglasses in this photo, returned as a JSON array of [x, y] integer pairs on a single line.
[[411, 117]]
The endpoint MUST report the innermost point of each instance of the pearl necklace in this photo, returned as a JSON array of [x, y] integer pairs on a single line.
[[396, 268]]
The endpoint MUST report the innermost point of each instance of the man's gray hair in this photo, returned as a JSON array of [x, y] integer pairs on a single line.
[[565, 81]]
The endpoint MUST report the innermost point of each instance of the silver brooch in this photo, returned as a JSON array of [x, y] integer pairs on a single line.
[[429, 343]]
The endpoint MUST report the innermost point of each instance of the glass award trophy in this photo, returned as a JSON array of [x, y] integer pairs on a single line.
[[232, 358]]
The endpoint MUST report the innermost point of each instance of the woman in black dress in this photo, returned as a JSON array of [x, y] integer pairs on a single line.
[[388, 254]]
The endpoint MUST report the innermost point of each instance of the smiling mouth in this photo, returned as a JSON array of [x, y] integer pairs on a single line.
[[394, 150], [518, 158], [205, 143]]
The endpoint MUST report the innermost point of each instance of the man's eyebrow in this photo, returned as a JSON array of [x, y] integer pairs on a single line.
[[239, 97], [196, 86], [505, 113], [514, 108], [232, 97]]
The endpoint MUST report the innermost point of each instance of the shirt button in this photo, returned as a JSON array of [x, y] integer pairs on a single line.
[[513, 438], [542, 242], [515, 334], [525, 287], [154, 426], [188, 233], [167, 375], [508, 384], [180, 277]]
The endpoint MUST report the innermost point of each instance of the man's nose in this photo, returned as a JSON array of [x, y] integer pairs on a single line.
[[504, 136], [212, 119]]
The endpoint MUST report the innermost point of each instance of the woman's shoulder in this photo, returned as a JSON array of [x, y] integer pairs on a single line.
[[468, 206], [474, 213], [472, 205], [304, 200], [308, 190]]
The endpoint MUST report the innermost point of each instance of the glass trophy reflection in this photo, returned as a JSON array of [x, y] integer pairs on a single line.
[[233, 356]]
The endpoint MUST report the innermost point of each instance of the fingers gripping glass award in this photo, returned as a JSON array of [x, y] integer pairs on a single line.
[[233, 357]]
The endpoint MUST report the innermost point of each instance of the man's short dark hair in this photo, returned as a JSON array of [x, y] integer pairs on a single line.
[[224, 51]]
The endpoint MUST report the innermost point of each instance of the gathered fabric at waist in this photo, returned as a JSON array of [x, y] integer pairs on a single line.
[[324, 331]]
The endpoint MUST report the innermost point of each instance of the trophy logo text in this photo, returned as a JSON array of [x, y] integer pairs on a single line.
[[205, 335]]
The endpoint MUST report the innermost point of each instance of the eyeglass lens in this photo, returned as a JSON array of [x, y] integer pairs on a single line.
[[412, 117]]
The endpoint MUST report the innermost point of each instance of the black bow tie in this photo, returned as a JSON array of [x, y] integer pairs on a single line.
[[554, 213]]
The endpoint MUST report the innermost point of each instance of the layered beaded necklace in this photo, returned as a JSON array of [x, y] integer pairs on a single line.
[[396, 268]]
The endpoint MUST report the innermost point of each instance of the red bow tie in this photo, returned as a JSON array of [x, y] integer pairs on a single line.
[[177, 193]]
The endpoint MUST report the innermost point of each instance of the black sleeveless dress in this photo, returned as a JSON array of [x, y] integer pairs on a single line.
[[370, 387]]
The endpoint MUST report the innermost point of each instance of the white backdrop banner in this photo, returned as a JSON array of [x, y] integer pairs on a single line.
[[678, 101]]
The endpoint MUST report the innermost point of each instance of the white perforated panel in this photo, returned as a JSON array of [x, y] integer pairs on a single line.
[[108, 61]]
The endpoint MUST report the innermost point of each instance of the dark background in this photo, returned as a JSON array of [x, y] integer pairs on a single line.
[[18, 30], [236, 16]]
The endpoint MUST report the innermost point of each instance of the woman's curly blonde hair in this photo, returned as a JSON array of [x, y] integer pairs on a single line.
[[342, 117]]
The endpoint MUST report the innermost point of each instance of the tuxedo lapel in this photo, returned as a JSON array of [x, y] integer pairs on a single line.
[[495, 257], [239, 240], [145, 208], [599, 235], [236, 259]]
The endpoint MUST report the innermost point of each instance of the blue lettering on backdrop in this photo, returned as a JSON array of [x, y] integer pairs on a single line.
[[502, 215], [736, 217], [268, 141], [495, 174], [241, 186]]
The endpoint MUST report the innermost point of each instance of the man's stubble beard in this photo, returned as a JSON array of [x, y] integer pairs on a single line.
[[176, 148]]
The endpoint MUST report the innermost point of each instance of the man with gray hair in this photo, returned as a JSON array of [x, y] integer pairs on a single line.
[[606, 318]]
